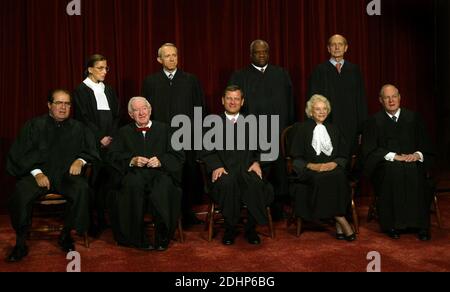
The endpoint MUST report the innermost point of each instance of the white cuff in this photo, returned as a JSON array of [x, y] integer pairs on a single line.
[[421, 156], [82, 160], [36, 172], [390, 156]]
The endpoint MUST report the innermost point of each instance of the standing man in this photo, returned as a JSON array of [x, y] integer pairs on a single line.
[[151, 174], [397, 153], [48, 156], [174, 92], [268, 91], [342, 83]]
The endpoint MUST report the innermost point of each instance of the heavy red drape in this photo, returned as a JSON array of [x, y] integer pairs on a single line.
[[43, 48]]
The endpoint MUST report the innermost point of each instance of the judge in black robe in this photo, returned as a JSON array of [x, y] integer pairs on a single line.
[[237, 176], [48, 156], [318, 150], [268, 91], [345, 91], [397, 154], [96, 106], [175, 92], [150, 178]]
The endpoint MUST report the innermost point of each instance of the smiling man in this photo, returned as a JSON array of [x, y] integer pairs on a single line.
[[48, 156], [236, 176], [150, 176], [397, 154]]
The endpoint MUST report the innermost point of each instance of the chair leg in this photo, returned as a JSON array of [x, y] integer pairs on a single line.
[[438, 211], [211, 221], [180, 230], [355, 217], [86, 240], [299, 227], [269, 216]]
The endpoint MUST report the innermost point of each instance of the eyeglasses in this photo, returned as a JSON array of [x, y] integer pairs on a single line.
[[102, 68], [60, 103]]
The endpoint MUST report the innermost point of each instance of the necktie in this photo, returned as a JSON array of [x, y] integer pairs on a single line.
[[170, 76], [262, 70], [394, 118], [338, 67], [146, 129], [233, 120]]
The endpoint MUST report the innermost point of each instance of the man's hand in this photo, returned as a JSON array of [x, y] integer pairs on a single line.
[[139, 161], [42, 181], [314, 167], [76, 167], [408, 158], [218, 173], [106, 141], [154, 163], [256, 168]]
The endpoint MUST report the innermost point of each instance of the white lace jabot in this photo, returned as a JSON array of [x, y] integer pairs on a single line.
[[321, 141]]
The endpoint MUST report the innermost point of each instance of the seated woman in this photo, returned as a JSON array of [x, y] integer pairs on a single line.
[[318, 151]]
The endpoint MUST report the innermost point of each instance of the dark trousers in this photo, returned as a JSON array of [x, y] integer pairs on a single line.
[[75, 190]]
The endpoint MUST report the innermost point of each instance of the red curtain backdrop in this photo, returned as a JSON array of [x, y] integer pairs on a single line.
[[43, 48]]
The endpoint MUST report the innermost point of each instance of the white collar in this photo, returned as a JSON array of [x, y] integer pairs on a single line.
[[261, 68], [91, 84], [168, 73], [231, 117], [397, 114], [149, 125]]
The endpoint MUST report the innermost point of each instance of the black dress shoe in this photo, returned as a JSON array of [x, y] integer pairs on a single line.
[[162, 243], [340, 236], [146, 247], [424, 235], [253, 238], [351, 237], [228, 237], [393, 233], [17, 254], [66, 242]]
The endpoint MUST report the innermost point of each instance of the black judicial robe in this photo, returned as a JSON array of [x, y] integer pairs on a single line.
[[404, 196], [238, 186], [346, 93], [52, 147], [172, 97], [145, 190], [269, 93], [86, 111], [318, 195]]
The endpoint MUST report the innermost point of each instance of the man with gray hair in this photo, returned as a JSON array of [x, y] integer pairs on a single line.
[[172, 92], [397, 154], [268, 91], [150, 177]]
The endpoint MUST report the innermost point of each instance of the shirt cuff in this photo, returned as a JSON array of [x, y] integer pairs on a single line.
[[390, 156], [421, 156], [36, 172], [82, 160]]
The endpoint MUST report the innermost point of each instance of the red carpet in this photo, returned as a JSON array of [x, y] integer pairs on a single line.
[[315, 250]]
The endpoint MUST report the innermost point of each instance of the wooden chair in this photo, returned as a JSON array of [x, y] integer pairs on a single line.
[[214, 214], [52, 205], [286, 140]]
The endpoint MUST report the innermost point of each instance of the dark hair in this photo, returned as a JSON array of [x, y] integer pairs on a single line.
[[51, 94], [91, 63], [233, 88]]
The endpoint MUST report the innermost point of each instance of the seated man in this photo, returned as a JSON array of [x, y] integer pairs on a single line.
[[397, 153], [48, 156], [237, 176], [150, 175]]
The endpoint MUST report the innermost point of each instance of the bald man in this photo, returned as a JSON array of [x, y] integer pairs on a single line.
[[342, 83], [397, 154]]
